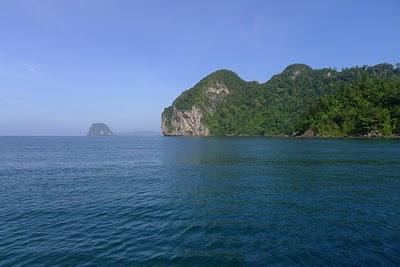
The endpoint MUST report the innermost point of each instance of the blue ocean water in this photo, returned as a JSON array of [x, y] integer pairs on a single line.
[[165, 201]]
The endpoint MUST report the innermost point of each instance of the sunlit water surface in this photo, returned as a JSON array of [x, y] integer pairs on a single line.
[[159, 201]]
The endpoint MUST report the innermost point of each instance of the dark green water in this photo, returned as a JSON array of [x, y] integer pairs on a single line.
[[157, 201]]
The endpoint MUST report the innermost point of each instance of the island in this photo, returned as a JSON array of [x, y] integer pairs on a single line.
[[99, 129], [300, 101]]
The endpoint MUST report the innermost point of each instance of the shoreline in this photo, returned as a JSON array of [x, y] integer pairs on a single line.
[[293, 137]]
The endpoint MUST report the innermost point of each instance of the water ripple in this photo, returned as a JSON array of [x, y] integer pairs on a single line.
[[156, 201]]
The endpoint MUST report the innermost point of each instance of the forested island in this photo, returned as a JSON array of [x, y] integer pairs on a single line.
[[300, 101]]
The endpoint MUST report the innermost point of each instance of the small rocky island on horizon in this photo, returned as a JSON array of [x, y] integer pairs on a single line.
[[300, 101], [99, 129]]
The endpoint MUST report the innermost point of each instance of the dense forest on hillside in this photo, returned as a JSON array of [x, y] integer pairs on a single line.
[[353, 101], [370, 107]]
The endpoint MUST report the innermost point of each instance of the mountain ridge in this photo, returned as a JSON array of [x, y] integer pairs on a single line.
[[222, 103]]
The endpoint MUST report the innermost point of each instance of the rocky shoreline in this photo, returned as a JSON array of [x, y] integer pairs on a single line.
[[293, 137]]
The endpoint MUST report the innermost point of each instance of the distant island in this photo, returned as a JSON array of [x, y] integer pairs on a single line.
[[99, 129], [300, 101]]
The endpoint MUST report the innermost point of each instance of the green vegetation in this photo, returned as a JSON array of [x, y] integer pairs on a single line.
[[354, 101], [196, 96], [168, 115], [370, 107]]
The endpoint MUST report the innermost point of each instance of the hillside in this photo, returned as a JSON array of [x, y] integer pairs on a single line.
[[291, 102], [367, 108]]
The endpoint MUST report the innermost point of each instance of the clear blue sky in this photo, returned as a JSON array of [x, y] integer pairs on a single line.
[[66, 64]]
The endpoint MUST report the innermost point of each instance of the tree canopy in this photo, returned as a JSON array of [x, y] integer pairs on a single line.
[[353, 101]]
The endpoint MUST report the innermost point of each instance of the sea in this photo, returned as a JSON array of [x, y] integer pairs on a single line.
[[192, 201]]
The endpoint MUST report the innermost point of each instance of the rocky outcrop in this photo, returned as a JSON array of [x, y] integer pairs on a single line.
[[304, 134], [300, 102], [99, 129], [216, 93], [186, 115], [373, 133], [181, 122]]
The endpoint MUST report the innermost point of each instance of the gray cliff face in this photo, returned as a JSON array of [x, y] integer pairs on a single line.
[[99, 129], [190, 122], [184, 123]]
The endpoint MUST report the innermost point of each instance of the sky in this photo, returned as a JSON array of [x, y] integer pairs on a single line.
[[66, 64]]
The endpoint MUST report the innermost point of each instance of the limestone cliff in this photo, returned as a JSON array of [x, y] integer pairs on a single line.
[[188, 113], [184, 122]]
